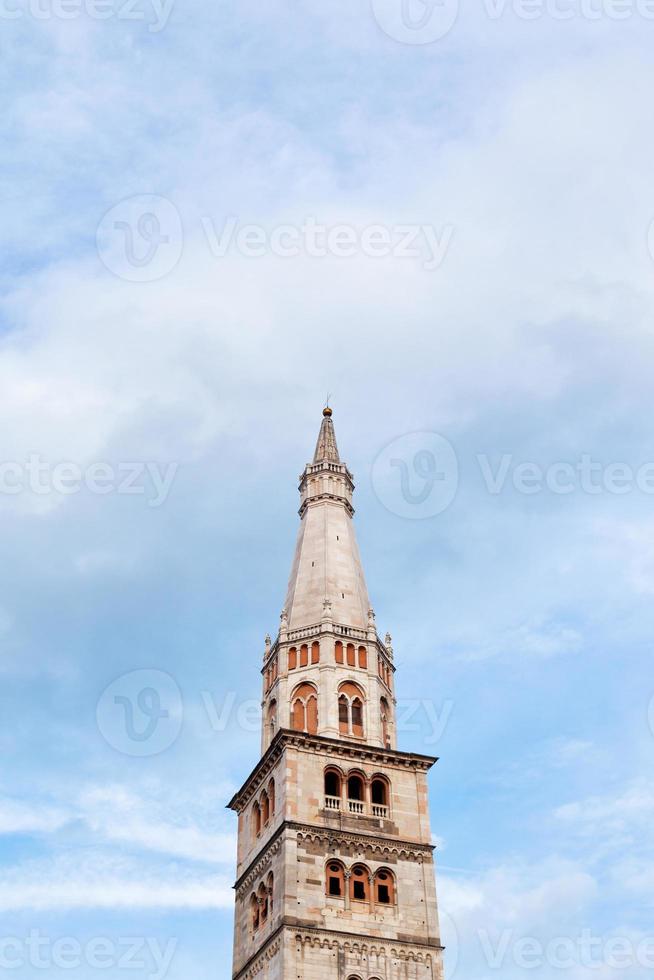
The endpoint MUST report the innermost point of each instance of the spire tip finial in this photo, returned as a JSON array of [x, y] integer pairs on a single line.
[[327, 412]]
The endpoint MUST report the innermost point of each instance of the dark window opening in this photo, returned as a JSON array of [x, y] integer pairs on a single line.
[[379, 792], [332, 784], [355, 788], [359, 891], [383, 895]]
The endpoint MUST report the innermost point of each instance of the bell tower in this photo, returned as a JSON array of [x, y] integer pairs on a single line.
[[335, 876]]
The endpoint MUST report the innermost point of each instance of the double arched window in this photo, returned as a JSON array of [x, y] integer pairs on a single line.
[[351, 700], [261, 903], [263, 809], [304, 709]]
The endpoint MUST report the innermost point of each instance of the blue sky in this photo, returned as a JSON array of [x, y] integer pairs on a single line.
[[521, 616]]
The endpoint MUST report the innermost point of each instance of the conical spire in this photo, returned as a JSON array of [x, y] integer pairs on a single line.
[[326, 447], [327, 565]]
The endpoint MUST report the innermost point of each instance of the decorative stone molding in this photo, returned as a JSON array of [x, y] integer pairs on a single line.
[[327, 628], [259, 869], [258, 776], [376, 848], [366, 945], [320, 745], [255, 966]]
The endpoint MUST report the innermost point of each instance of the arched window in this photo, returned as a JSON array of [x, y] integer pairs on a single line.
[[292, 658], [350, 709], [350, 655], [357, 717], [304, 712], [304, 655], [265, 808], [262, 895], [270, 887], [254, 912], [385, 887], [256, 819], [379, 791], [315, 652], [333, 785], [271, 796], [272, 717], [384, 713], [338, 652], [355, 787], [343, 715], [360, 883], [335, 880], [363, 658]]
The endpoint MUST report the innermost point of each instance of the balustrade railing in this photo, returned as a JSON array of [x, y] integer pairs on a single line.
[[358, 807]]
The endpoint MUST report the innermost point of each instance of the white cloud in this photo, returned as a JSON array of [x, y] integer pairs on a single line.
[[19, 817], [100, 881], [157, 823]]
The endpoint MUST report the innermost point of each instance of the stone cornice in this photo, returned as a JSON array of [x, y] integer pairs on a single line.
[[262, 769], [372, 844], [398, 949], [403, 949], [320, 744]]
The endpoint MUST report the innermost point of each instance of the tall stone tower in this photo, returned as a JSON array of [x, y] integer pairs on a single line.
[[335, 877]]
